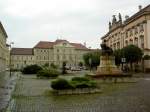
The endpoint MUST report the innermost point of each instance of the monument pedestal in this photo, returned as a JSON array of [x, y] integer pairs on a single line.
[[107, 66]]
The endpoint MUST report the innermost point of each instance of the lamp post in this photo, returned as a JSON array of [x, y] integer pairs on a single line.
[[10, 45]]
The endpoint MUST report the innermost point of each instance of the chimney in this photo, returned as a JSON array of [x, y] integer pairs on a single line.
[[140, 7], [126, 17]]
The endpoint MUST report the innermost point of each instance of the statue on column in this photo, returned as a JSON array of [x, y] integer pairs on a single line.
[[106, 50]]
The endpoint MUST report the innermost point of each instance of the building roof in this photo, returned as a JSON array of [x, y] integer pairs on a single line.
[[144, 11], [22, 51], [3, 30], [78, 46], [44, 44], [47, 44]]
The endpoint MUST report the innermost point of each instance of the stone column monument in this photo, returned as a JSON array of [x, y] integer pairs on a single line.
[[107, 62]]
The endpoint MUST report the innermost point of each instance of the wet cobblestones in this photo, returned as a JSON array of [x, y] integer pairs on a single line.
[[29, 97], [6, 87]]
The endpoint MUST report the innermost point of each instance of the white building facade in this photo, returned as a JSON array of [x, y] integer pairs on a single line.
[[3, 48], [46, 52], [134, 30]]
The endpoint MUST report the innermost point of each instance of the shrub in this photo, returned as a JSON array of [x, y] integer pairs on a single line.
[[61, 84], [53, 66], [48, 73], [31, 69], [146, 57], [79, 79], [83, 82]]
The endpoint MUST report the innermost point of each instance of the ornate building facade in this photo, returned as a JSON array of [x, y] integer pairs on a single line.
[[46, 52], [3, 49], [133, 30]]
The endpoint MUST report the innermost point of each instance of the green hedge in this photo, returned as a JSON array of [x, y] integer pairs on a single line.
[[76, 82], [48, 73], [61, 84], [31, 69]]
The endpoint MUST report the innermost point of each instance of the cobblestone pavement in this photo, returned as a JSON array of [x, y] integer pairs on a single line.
[[6, 87], [29, 96]]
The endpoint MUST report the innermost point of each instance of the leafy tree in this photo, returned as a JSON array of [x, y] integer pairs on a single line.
[[146, 57], [94, 57], [80, 64], [46, 65], [132, 54], [118, 55], [53, 66]]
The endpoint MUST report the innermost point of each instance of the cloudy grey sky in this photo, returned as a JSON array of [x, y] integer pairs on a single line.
[[29, 21]]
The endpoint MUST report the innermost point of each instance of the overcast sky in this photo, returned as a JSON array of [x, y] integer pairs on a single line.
[[29, 21]]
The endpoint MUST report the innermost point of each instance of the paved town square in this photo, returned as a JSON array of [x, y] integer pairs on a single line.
[[32, 95]]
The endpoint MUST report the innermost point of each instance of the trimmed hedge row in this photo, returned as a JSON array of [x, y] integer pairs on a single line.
[[76, 82], [48, 73], [31, 69]]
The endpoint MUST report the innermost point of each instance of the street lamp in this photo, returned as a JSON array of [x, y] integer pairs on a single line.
[[10, 45]]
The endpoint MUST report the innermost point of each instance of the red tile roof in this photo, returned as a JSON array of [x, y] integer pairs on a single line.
[[46, 44], [59, 41], [78, 46], [22, 51]]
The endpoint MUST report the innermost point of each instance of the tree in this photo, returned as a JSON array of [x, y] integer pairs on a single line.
[[94, 57], [146, 57], [80, 64], [132, 54], [118, 55]]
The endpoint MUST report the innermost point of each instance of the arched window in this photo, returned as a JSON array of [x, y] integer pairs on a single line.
[[131, 41], [136, 41], [142, 41], [126, 43]]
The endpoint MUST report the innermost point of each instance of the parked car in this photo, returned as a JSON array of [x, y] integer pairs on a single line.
[[75, 69]]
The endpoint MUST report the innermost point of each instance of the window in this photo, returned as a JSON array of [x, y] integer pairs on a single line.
[[136, 41], [118, 45], [131, 41], [57, 57], [126, 34], [142, 41], [135, 30], [131, 33], [57, 50], [126, 43], [64, 57], [141, 28]]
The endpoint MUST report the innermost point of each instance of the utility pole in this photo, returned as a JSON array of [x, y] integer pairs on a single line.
[[10, 45]]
